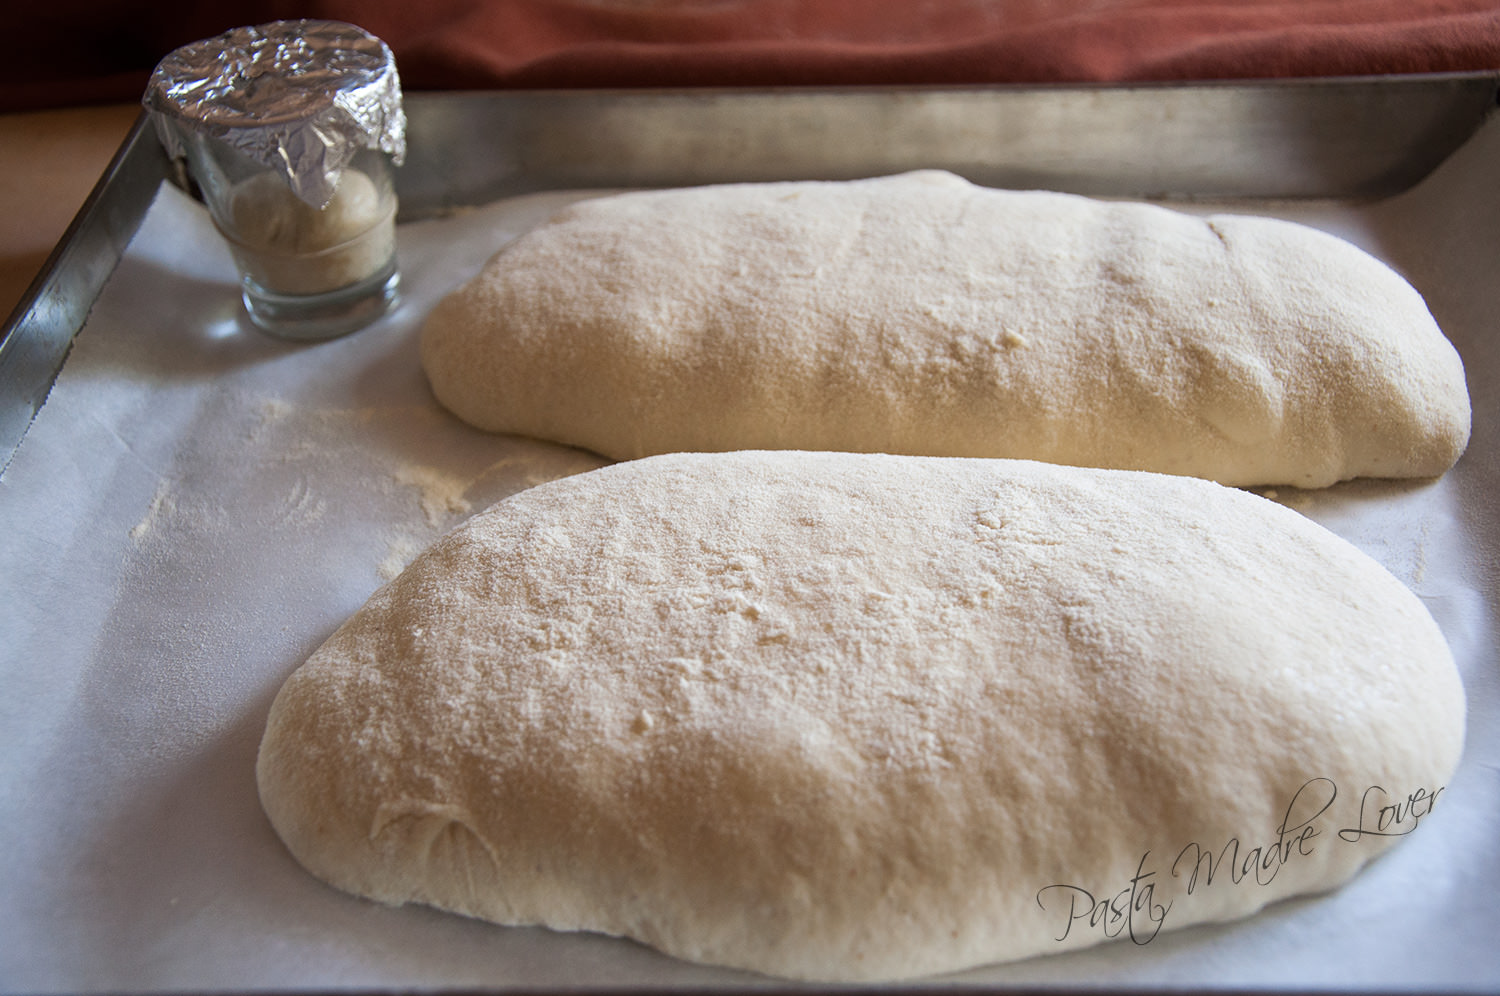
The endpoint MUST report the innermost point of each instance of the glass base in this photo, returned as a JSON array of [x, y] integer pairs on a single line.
[[311, 317]]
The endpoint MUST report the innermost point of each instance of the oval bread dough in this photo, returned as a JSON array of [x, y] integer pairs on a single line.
[[922, 314], [848, 717]]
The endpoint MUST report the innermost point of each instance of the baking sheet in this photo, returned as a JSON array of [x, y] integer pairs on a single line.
[[197, 506], [1357, 136]]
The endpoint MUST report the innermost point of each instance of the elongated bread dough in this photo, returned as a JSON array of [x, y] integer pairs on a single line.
[[921, 314], [851, 717]]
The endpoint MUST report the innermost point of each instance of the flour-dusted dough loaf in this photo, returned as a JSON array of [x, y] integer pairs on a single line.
[[844, 716], [922, 314]]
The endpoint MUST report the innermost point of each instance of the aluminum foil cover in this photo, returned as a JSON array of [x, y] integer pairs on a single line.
[[300, 97]]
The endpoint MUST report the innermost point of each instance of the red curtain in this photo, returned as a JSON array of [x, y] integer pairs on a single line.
[[67, 51]]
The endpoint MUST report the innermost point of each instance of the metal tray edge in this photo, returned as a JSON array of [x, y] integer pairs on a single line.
[[1365, 137]]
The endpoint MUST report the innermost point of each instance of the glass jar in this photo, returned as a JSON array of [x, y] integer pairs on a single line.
[[291, 132]]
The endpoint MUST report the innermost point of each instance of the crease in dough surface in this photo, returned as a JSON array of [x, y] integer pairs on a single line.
[[922, 314], [859, 717]]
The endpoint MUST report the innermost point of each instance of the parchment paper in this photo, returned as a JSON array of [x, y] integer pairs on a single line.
[[198, 506]]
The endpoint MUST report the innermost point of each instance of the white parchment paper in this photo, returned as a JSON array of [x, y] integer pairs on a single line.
[[198, 506]]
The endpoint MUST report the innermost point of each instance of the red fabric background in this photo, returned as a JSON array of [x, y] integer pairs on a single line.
[[72, 51]]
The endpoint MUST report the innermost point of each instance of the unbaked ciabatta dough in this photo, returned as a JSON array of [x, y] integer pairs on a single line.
[[851, 717], [923, 314]]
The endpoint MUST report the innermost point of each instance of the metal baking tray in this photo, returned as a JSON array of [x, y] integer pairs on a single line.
[[160, 581], [1364, 137]]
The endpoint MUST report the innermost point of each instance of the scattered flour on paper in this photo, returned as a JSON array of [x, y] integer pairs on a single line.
[[369, 453], [301, 504], [1391, 520], [447, 498], [409, 476], [401, 551], [162, 503], [440, 493], [262, 505]]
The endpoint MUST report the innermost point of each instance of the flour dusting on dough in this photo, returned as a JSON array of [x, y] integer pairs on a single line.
[[846, 717], [923, 314]]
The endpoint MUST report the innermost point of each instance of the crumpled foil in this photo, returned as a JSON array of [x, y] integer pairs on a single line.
[[300, 97]]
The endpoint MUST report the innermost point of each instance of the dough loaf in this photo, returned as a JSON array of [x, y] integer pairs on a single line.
[[922, 314], [858, 717]]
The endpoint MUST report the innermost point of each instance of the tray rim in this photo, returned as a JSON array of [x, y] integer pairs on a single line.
[[772, 986], [39, 331]]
